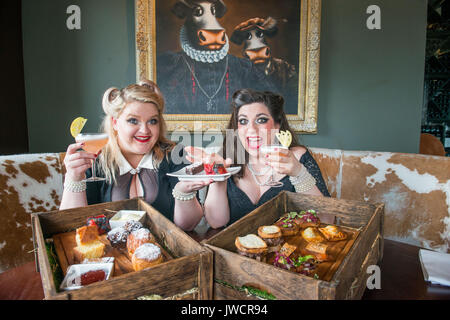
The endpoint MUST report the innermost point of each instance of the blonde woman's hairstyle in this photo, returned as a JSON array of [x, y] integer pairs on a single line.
[[114, 102]]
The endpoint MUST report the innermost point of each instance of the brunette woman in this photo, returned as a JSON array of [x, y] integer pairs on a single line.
[[256, 118]]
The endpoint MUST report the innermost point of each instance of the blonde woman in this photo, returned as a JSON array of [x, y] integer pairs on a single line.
[[135, 160]]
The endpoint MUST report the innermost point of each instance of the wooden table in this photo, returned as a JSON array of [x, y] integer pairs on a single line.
[[401, 277]]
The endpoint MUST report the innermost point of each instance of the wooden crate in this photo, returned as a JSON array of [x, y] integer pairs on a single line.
[[232, 272], [187, 274]]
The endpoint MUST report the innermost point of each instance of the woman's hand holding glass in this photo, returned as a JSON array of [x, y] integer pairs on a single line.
[[77, 162], [283, 161]]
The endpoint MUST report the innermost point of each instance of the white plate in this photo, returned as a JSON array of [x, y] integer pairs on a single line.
[[182, 176], [78, 269]]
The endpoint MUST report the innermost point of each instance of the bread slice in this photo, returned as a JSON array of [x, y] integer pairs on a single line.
[[269, 232], [95, 249], [251, 243]]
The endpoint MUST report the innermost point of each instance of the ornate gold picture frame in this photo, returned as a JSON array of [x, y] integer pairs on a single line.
[[156, 33]]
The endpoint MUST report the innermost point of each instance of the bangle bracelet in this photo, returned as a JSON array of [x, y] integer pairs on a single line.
[[178, 195], [74, 186]]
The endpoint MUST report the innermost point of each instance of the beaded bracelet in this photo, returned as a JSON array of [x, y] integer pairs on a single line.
[[303, 182], [178, 195], [74, 186]]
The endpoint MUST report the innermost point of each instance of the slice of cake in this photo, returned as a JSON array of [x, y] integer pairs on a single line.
[[88, 244], [194, 168]]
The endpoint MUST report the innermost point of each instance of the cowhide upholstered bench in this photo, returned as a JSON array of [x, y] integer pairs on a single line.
[[28, 183]]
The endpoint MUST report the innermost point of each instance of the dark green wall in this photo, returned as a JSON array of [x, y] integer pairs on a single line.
[[370, 89], [371, 81]]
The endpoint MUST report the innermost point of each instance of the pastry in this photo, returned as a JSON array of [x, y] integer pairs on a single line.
[[88, 244], [101, 222], [147, 255], [332, 233], [132, 225], [288, 226], [86, 234], [307, 219], [311, 234], [214, 168], [194, 168], [251, 246], [118, 237], [137, 238], [219, 168], [272, 236]]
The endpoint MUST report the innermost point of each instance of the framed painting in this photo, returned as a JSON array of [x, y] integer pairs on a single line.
[[200, 52]]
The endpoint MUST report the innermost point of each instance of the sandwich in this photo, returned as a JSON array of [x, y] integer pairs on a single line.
[[307, 218], [272, 236], [287, 225], [251, 246]]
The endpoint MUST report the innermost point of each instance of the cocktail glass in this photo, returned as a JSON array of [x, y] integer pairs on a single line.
[[268, 149], [93, 143]]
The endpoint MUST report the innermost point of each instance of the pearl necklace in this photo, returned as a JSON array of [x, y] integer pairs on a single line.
[[255, 174]]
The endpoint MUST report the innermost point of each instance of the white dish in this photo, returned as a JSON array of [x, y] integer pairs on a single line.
[[183, 176], [77, 270], [122, 216]]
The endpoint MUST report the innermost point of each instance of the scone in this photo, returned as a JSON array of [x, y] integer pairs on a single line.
[[137, 238], [147, 255]]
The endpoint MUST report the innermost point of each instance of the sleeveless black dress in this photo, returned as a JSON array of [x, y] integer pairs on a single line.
[[240, 204]]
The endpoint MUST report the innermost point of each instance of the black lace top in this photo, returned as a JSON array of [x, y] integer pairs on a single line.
[[240, 204]]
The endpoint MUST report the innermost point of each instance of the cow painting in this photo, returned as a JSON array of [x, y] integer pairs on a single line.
[[202, 77], [252, 35]]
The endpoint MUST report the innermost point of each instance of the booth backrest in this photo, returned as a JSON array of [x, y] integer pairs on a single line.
[[415, 189]]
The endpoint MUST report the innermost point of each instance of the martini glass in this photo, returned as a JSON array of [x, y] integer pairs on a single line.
[[93, 143], [268, 149]]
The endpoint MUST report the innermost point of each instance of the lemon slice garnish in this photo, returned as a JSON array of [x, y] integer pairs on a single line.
[[77, 125], [285, 138]]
